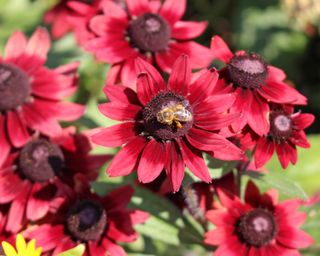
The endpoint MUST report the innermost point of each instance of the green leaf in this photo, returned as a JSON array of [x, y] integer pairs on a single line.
[[218, 168], [166, 222], [280, 182], [76, 251]]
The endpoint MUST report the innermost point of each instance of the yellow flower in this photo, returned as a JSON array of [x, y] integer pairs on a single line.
[[23, 248]]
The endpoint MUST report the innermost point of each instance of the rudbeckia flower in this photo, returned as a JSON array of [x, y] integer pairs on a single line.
[[255, 85], [31, 94], [145, 29], [259, 226], [165, 127]]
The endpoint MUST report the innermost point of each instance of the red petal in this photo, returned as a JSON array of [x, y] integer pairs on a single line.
[[15, 46], [200, 56], [152, 161], [39, 44], [99, 25], [112, 53], [179, 79], [79, 8], [194, 161], [220, 49], [145, 88], [292, 152], [113, 249], [294, 219], [302, 121], [264, 152], [173, 10], [241, 105], [118, 199], [287, 207], [126, 159], [96, 248], [273, 196], [217, 236], [50, 86], [114, 10], [64, 245], [121, 94], [47, 236], [183, 30], [121, 231], [119, 112], [300, 139], [232, 248], [16, 215], [203, 86], [10, 185], [175, 169], [294, 238], [213, 105], [277, 249], [59, 25], [276, 73], [221, 217], [138, 7], [258, 116], [113, 75], [279, 92], [283, 154], [138, 217], [115, 135], [216, 123], [68, 69], [252, 194], [36, 121], [4, 143], [220, 146], [128, 74], [158, 82], [155, 5], [37, 207], [65, 111]]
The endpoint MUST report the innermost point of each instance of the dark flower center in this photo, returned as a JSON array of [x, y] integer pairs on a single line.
[[40, 160], [86, 221], [167, 116], [257, 227], [280, 126], [247, 71], [14, 87], [149, 33]]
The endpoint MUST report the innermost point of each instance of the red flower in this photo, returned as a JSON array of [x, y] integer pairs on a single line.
[[31, 94], [98, 223], [255, 84], [286, 132], [73, 15], [34, 178], [58, 18], [149, 30], [154, 137], [260, 226]]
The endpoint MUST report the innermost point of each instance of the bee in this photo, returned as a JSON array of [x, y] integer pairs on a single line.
[[176, 113]]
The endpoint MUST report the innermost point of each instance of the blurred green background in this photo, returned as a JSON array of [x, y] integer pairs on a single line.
[[285, 33]]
